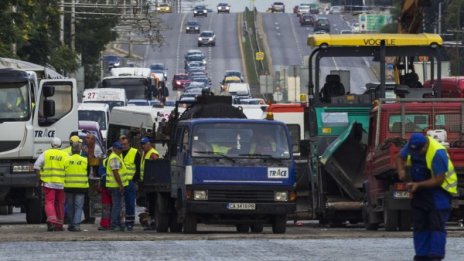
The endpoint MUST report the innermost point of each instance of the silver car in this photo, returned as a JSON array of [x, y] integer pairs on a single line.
[[207, 38]]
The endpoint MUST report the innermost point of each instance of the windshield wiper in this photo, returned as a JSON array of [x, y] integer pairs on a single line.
[[268, 156], [224, 156]]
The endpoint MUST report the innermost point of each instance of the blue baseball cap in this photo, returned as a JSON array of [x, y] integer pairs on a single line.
[[144, 140], [117, 145], [416, 142]]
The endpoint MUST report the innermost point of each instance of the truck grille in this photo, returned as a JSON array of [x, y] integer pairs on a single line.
[[240, 195]]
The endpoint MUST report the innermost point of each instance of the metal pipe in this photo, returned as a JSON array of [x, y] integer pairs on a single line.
[[344, 205]]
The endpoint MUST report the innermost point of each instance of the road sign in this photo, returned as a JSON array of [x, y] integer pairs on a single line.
[[373, 22], [259, 56]]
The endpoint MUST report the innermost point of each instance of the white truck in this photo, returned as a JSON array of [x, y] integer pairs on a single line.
[[31, 114], [112, 96]]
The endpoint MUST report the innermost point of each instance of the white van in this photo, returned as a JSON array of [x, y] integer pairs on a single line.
[[239, 90], [111, 96], [98, 112]]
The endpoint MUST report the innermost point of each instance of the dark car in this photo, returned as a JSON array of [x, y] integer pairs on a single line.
[[179, 81], [194, 58], [192, 27], [195, 85], [200, 10], [203, 79], [197, 65], [207, 38], [322, 24], [307, 19], [111, 61], [223, 8]]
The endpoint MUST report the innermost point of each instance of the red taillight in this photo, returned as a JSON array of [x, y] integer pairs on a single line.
[[401, 186]]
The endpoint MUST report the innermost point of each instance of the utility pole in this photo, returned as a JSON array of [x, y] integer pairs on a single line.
[[13, 44], [73, 25], [62, 22]]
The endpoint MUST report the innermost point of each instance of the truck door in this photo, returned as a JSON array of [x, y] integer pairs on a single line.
[[179, 166], [56, 114]]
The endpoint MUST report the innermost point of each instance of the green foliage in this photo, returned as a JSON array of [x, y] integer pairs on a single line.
[[64, 60], [454, 18]]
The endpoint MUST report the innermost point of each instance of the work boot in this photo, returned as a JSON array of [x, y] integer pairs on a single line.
[[50, 227]]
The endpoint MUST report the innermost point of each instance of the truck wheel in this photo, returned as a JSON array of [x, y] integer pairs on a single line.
[[242, 228], [405, 220], [161, 217], [190, 224], [34, 211], [279, 225], [257, 228], [390, 219]]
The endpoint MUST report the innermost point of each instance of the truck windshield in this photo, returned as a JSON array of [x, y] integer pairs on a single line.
[[97, 116], [135, 87], [14, 102], [247, 140]]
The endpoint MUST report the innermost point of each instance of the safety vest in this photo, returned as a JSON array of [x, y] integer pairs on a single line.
[[129, 160], [450, 184], [110, 180], [68, 150], [147, 156], [220, 149], [75, 169], [53, 169]]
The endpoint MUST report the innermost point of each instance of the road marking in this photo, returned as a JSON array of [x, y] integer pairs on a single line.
[[179, 41], [300, 54]]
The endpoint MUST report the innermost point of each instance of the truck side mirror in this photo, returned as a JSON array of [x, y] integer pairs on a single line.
[[48, 91], [305, 148], [49, 108]]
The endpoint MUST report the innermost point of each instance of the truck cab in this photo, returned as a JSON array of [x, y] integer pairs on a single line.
[[30, 122], [221, 170], [387, 199]]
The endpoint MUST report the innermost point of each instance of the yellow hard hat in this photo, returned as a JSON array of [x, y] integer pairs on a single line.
[[75, 139]]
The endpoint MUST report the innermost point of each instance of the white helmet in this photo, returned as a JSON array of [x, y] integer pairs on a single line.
[[56, 142]]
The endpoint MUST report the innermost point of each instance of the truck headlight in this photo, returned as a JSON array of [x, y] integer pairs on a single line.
[[22, 168], [280, 196], [200, 195]]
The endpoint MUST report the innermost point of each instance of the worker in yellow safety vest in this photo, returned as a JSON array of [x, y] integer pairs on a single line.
[[434, 183], [76, 185], [115, 182], [72, 139], [131, 158], [149, 153], [49, 168]]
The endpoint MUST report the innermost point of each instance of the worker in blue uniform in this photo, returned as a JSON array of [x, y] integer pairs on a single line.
[[433, 184]]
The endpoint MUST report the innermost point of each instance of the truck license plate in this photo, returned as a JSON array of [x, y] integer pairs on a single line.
[[241, 206], [401, 194]]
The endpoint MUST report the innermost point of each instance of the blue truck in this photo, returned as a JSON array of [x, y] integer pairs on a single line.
[[222, 168]]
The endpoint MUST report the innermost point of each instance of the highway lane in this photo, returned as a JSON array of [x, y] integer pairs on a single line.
[[287, 41], [224, 56]]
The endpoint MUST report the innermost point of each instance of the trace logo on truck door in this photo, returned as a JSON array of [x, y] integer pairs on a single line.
[[45, 133], [277, 173]]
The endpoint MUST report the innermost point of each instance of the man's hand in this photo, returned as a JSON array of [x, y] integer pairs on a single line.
[[413, 186]]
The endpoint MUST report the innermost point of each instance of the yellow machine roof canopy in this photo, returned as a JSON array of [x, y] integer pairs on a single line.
[[357, 40]]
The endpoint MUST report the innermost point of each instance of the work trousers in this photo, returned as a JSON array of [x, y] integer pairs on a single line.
[[106, 202], [75, 206], [429, 233], [116, 209], [129, 200], [54, 206]]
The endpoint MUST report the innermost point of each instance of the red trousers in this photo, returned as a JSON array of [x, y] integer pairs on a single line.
[[54, 206], [106, 208]]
